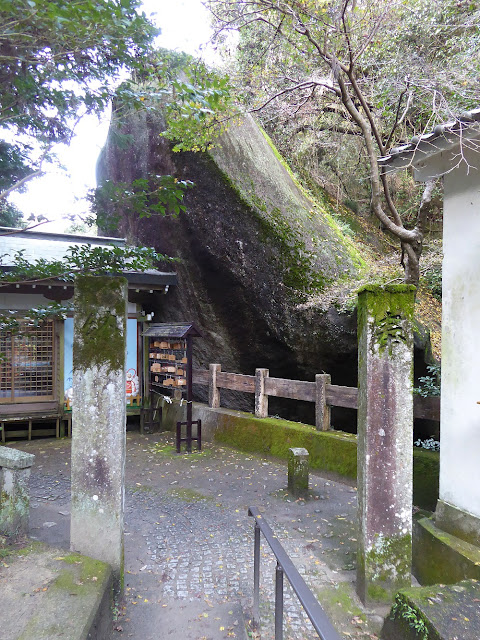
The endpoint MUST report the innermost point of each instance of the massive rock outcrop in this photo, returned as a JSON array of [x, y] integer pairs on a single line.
[[253, 247]]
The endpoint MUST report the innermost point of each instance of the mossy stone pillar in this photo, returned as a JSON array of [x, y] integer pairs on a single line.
[[14, 494], [385, 439], [99, 420], [298, 470]]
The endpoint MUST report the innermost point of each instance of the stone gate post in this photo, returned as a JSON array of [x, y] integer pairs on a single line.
[[385, 440], [99, 419]]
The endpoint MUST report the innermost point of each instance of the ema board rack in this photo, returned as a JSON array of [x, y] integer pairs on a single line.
[[170, 357], [168, 361]]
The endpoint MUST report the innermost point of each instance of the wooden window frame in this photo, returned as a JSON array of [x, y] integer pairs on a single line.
[[12, 365]]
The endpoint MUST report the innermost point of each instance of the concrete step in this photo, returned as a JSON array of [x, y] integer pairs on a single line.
[[438, 612], [50, 594], [174, 619]]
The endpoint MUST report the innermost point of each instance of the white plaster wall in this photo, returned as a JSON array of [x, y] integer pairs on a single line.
[[460, 413]]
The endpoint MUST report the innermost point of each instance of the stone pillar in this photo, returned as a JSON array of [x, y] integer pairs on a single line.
[[99, 420], [261, 398], [213, 390], [14, 496], [322, 409], [385, 440], [298, 469]]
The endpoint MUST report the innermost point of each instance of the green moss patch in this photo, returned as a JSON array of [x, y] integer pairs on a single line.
[[435, 613], [100, 326], [188, 495], [387, 566], [439, 557], [426, 469], [329, 451]]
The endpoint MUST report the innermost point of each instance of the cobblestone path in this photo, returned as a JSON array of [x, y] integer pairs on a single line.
[[189, 540]]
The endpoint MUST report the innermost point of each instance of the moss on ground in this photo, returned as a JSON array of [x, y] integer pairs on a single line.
[[188, 495]]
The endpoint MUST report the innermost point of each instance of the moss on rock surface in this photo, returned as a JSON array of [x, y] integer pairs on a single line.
[[435, 613], [328, 451], [267, 270], [439, 557]]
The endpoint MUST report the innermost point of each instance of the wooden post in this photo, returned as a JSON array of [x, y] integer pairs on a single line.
[[213, 390], [261, 398], [322, 409]]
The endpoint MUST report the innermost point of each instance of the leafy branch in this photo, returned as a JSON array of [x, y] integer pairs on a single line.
[[83, 259]]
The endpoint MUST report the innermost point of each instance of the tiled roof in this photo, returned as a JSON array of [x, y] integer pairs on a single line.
[[443, 137]]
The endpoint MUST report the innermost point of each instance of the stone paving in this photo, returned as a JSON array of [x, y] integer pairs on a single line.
[[189, 540]]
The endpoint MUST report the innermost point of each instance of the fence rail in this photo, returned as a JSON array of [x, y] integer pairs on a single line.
[[285, 567], [321, 392]]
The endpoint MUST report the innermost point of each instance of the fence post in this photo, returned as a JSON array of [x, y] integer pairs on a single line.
[[322, 409], [261, 398], [213, 390]]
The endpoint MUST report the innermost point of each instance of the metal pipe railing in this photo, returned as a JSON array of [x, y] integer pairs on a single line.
[[285, 567]]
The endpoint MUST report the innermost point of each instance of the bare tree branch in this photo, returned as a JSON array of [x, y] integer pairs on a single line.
[[6, 192]]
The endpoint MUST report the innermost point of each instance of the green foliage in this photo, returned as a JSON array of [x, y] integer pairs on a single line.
[[338, 84], [429, 384], [13, 164], [198, 110], [157, 195], [57, 57], [413, 618], [82, 259], [9, 321], [10, 215], [433, 279]]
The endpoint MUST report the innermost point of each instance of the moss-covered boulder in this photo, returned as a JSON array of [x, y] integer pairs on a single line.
[[263, 265]]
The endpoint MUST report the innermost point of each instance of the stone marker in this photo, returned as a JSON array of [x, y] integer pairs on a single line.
[[298, 471], [14, 495], [99, 420], [385, 440]]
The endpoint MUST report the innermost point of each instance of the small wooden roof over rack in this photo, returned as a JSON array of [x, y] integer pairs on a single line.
[[177, 330]]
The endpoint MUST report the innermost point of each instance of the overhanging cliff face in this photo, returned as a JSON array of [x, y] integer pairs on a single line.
[[252, 246]]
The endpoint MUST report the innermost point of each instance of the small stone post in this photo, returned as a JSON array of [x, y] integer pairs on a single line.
[[385, 439], [298, 470], [14, 495], [213, 390], [322, 409], [261, 398], [99, 420]]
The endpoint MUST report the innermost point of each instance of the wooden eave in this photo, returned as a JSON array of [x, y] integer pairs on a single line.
[[178, 330]]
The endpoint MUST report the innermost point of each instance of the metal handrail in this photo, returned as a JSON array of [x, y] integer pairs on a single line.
[[285, 566]]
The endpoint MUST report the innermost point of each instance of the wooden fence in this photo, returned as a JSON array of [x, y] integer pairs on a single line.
[[321, 392]]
